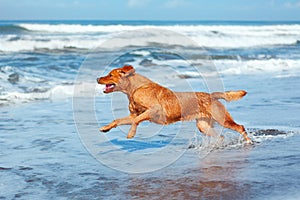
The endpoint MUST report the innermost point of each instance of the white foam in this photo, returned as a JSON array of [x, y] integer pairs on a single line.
[[31, 42], [289, 66], [57, 92], [78, 28], [281, 67], [61, 36], [141, 53], [263, 30], [232, 140], [173, 62]]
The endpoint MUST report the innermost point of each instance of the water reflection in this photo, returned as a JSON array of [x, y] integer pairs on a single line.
[[218, 176]]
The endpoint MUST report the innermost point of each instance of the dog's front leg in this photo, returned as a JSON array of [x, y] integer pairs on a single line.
[[122, 121], [142, 117]]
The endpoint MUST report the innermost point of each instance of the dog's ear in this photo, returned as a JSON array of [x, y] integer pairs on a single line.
[[127, 70]]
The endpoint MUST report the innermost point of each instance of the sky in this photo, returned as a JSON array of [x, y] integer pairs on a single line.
[[250, 10]]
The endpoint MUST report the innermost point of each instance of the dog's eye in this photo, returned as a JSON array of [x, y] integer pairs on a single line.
[[110, 75]]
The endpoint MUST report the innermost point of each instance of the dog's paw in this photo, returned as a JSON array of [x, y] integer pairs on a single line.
[[249, 141], [104, 129], [129, 136]]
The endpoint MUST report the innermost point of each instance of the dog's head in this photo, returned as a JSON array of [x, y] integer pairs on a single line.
[[116, 79]]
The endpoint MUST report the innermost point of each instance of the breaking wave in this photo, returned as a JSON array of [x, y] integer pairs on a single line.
[[32, 36]]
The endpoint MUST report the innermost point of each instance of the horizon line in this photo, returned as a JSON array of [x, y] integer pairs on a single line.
[[156, 20]]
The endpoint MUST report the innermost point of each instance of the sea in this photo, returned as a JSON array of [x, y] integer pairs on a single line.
[[51, 109]]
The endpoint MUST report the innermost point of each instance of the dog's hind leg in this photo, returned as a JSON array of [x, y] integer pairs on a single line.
[[205, 125], [222, 116]]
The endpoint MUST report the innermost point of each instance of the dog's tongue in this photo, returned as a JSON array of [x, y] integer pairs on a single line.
[[109, 87]]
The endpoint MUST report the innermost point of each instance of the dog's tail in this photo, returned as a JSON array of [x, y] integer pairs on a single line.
[[229, 95]]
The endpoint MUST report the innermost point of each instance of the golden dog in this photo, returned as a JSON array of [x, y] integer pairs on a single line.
[[151, 101]]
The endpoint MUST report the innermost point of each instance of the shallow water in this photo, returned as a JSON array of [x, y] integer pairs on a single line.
[[42, 157], [48, 95]]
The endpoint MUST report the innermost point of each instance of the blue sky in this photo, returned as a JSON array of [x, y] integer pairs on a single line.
[[150, 9]]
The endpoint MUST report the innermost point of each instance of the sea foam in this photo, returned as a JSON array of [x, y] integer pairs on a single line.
[[62, 36]]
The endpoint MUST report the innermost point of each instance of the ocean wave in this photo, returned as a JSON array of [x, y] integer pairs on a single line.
[[12, 29], [263, 30], [25, 84], [223, 64], [14, 43], [78, 28], [280, 68], [56, 93], [63, 36], [286, 66]]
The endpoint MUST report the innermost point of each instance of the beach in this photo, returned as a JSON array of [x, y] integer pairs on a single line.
[[52, 107]]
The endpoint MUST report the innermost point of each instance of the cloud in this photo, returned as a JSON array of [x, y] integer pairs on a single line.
[[137, 3], [174, 3], [164, 3], [292, 4]]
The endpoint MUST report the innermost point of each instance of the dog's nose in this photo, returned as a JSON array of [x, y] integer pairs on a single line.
[[98, 79]]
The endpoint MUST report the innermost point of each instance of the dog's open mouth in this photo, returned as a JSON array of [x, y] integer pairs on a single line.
[[109, 88]]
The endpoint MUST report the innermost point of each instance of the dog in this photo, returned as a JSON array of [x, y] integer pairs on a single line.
[[150, 101]]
